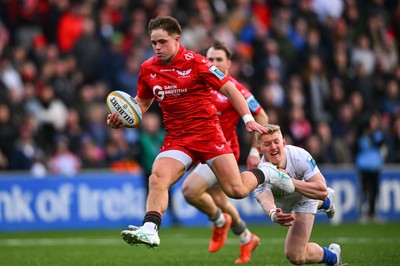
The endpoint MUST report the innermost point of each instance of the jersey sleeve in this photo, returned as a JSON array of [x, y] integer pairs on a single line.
[[254, 105], [307, 164], [209, 73]]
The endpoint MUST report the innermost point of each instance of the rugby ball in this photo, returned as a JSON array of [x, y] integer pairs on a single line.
[[125, 106]]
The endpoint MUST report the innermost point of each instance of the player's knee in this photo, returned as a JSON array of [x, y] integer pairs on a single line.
[[295, 258], [157, 181], [188, 192], [236, 192]]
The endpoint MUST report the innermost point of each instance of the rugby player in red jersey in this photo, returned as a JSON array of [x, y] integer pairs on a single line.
[[179, 80], [201, 188]]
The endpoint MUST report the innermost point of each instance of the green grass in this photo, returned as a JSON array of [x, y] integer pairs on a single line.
[[376, 245]]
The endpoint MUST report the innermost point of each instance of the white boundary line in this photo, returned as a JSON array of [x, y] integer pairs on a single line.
[[20, 242]]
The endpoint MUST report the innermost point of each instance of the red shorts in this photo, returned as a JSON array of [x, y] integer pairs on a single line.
[[200, 146]]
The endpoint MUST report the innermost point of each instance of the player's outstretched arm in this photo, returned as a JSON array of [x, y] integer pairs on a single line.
[[240, 104], [253, 159], [266, 200], [313, 188]]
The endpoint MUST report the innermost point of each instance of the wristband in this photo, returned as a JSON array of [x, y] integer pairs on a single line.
[[247, 118], [254, 152], [272, 214]]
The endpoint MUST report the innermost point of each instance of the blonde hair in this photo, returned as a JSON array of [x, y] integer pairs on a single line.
[[271, 130]]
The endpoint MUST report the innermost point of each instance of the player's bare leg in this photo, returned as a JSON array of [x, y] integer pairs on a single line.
[[194, 190], [299, 251], [235, 184], [166, 171], [248, 241]]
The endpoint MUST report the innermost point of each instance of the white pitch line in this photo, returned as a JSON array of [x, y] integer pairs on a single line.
[[184, 241]]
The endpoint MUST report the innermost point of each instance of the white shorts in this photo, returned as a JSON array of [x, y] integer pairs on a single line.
[[177, 155], [184, 158], [205, 171], [297, 203]]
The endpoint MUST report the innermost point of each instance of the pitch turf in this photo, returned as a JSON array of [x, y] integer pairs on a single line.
[[376, 245]]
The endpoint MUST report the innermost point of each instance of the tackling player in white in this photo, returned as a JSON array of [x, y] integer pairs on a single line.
[[293, 204]]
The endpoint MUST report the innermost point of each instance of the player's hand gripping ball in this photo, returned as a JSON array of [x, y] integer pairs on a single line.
[[125, 106]]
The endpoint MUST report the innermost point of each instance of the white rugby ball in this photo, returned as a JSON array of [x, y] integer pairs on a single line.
[[125, 106]]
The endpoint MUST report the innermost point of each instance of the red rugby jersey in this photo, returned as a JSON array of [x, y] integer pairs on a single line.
[[182, 89]]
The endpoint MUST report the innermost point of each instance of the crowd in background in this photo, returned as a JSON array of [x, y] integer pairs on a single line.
[[326, 71]]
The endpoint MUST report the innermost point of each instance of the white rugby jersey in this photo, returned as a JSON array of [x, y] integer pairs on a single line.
[[300, 165]]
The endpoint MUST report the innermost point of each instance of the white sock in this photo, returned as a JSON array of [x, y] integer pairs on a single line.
[[220, 221], [245, 237], [149, 227]]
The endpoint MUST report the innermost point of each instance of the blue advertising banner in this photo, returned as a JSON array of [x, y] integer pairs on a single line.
[[88, 201], [97, 200]]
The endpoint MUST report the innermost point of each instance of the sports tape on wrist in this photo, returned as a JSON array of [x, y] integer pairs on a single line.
[[247, 118], [254, 152], [271, 215]]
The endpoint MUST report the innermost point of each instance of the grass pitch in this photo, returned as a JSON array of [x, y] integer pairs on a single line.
[[361, 245]]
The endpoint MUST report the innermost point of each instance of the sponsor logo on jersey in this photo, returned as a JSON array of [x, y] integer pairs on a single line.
[[188, 56], [218, 73], [311, 162], [167, 91], [219, 147], [184, 73], [167, 69], [153, 76], [252, 103]]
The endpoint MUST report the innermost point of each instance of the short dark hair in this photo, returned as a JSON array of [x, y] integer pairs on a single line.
[[218, 45], [167, 23]]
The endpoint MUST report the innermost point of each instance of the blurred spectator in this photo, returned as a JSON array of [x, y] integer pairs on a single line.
[[390, 104], [38, 168], [127, 79], [299, 127], [63, 161], [112, 57], [25, 150], [150, 140], [395, 133], [343, 125], [92, 155], [369, 161], [8, 134], [74, 131], [61, 82], [70, 26], [28, 19], [318, 91], [3, 161], [334, 150], [362, 55], [11, 78], [328, 8], [52, 117], [87, 50], [119, 154], [95, 126], [273, 90]]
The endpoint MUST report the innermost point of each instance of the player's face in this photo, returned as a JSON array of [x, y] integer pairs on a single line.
[[218, 57], [272, 147], [165, 46]]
